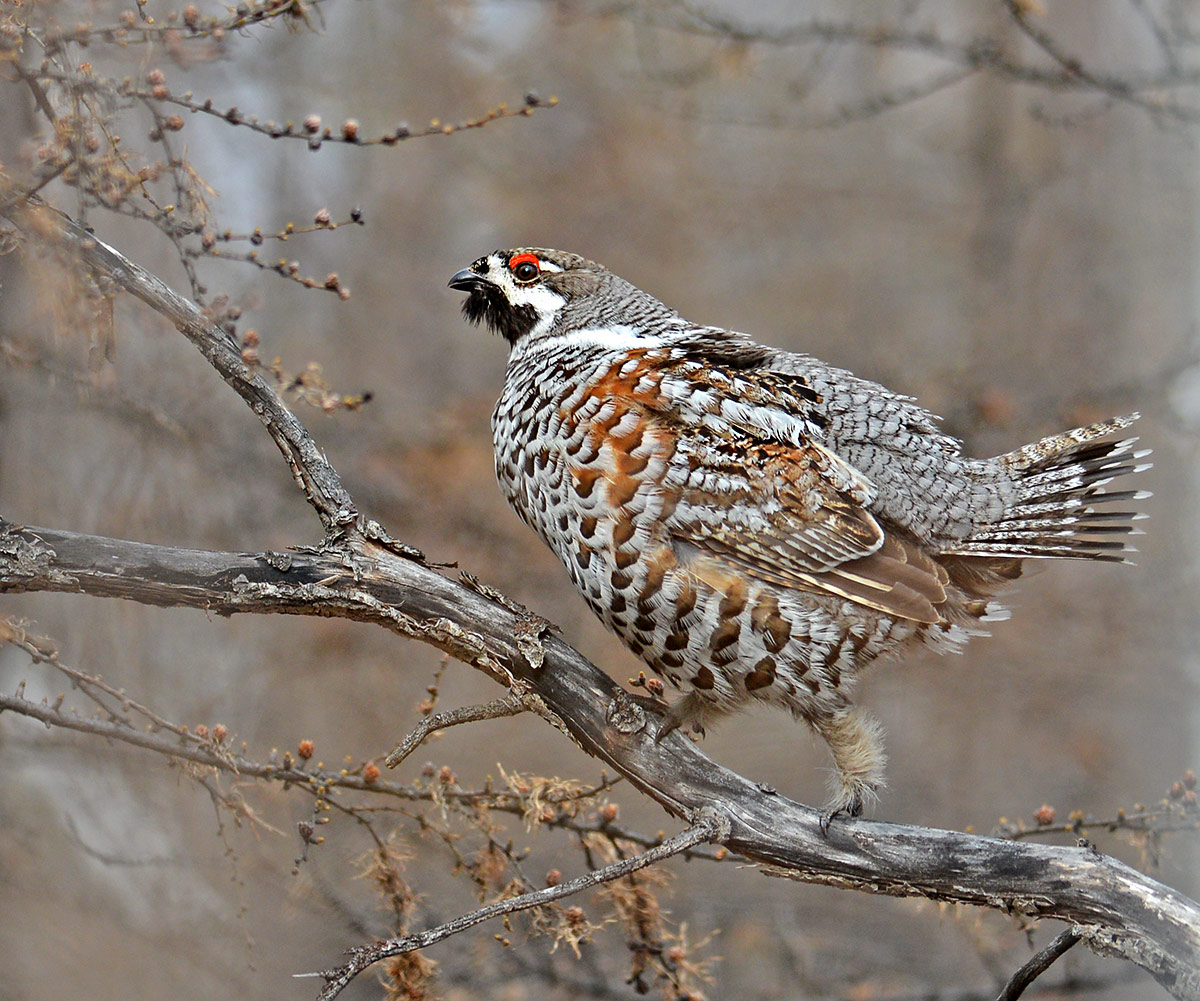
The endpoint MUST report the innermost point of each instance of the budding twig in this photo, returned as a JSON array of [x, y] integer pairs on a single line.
[[708, 828], [509, 705]]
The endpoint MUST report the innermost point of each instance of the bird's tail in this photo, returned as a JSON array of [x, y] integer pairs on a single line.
[[1063, 506]]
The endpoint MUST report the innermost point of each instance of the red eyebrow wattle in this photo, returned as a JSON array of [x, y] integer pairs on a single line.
[[522, 258]]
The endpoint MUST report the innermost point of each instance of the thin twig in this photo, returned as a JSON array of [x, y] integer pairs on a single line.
[[1039, 964], [710, 827], [23, 195], [1073, 68], [177, 741], [348, 133], [897, 97], [509, 705]]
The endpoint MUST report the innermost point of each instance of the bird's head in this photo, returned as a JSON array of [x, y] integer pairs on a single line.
[[521, 293], [530, 296]]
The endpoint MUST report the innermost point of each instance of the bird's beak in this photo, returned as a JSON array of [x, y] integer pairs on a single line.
[[467, 280]]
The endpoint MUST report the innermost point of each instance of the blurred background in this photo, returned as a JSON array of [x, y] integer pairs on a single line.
[[1019, 255]]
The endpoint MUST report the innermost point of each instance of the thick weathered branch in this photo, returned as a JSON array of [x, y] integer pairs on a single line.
[[1117, 910]]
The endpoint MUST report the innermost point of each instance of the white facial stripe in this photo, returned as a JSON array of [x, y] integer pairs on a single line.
[[548, 265], [544, 301]]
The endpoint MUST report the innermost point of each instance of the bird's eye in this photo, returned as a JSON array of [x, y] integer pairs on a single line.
[[524, 268]]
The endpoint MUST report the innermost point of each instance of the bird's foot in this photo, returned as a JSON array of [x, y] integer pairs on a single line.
[[850, 809], [657, 706], [857, 746], [685, 713]]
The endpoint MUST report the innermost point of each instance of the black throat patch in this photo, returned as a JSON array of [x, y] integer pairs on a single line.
[[488, 305]]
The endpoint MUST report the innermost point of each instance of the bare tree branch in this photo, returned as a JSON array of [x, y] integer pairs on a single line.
[[1073, 67], [496, 709], [1117, 910]]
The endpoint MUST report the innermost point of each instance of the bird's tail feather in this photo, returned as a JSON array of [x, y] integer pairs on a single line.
[[1062, 505]]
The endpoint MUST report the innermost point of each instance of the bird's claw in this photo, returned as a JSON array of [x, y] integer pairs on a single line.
[[849, 810]]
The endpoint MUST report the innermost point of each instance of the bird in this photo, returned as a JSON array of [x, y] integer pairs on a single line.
[[757, 525]]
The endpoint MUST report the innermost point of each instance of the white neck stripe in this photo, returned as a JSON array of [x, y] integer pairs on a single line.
[[618, 337]]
